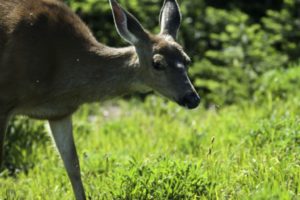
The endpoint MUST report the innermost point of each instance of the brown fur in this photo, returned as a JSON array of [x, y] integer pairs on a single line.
[[50, 62]]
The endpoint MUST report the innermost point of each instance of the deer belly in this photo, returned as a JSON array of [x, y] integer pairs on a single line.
[[45, 111]]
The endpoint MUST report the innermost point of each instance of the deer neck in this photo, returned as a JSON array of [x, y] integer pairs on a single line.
[[105, 72]]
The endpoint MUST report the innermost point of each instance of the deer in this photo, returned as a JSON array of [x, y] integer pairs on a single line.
[[51, 64]]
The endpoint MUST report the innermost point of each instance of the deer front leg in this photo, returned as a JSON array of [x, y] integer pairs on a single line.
[[3, 120], [63, 137]]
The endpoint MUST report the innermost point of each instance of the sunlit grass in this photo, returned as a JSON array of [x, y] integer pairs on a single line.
[[156, 150]]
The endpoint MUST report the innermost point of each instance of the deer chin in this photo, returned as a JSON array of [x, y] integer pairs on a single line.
[[142, 88], [187, 106]]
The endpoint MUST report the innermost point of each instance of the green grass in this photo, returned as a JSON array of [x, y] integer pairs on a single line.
[[156, 150]]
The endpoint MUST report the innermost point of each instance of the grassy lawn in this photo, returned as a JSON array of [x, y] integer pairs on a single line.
[[156, 150]]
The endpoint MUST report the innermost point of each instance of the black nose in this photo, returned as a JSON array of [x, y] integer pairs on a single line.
[[190, 100]]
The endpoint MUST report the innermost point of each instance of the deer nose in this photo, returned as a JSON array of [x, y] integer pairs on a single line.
[[190, 100]]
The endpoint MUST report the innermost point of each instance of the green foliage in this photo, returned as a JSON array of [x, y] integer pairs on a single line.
[[285, 26], [163, 178], [241, 53], [157, 150], [23, 137], [279, 84]]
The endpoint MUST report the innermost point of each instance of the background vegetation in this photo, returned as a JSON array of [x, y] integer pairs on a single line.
[[243, 143]]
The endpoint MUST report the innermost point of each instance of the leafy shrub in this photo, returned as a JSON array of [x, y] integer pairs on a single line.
[[23, 137], [278, 84], [241, 52]]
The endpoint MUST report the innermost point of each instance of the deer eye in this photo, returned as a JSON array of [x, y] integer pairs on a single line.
[[158, 66]]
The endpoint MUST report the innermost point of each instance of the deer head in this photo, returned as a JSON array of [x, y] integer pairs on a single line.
[[162, 62]]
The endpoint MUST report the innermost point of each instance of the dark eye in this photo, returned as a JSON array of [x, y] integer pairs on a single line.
[[158, 65]]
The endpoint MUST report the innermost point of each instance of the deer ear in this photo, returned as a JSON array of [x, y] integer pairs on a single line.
[[170, 18], [127, 25]]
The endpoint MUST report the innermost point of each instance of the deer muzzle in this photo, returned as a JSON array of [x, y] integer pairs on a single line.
[[191, 100]]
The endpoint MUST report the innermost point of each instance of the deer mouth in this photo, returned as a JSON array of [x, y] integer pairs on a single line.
[[190, 100]]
